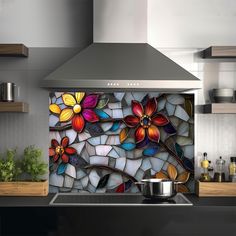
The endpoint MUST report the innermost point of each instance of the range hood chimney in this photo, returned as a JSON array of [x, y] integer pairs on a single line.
[[121, 66]]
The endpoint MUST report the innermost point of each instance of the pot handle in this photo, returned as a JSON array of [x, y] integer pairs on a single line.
[[178, 182]]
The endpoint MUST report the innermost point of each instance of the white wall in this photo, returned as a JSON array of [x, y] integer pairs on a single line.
[[191, 23], [120, 21], [45, 23]]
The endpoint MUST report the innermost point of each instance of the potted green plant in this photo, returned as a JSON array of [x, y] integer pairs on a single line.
[[31, 165]]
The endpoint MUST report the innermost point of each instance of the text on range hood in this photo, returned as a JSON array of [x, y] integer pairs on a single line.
[[121, 66]]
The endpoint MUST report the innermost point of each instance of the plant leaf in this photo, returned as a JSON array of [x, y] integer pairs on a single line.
[[188, 164], [150, 151], [179, 151], [124, 134], [102, 102], [103, 181], [172, 172], [128, 184], [61, 168], [115, 126], [128, 146], [183, 177], [161, 175], [102, 114]]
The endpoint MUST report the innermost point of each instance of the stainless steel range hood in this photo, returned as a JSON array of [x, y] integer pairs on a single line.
[[121, 66]]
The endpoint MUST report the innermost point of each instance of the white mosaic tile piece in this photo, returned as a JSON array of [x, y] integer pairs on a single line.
[[84, 181], [132, 166], [80, 174], [139, 175], [181, 113], [128, 98], [58, 94], [78, 146], [90, 149], [68, 181], [53, 120], [146, 165], [183, 129], [113, 140], [138, 96], [161, 104], [120, 151], [175, 99], [183, 141], [84, 154], [114, 180], [170, 109], [70, 170], [71, 134], [108, 111], [94, 140], [103, 150], [156, 163], [99, 160], [113, 154], [188, 151], [94, 178], [103, 139], [106, 126], [83, 136], [115, 105], [56, 180], [120, 163], [127, 111], [117, 114], [119, 96]]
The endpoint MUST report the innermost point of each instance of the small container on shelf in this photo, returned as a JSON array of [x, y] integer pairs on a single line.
[[219, 175], [205, 177], [232, 169]]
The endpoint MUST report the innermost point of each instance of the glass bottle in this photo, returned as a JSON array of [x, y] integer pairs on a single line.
[[219, 175], [232, 169], [205, 177]]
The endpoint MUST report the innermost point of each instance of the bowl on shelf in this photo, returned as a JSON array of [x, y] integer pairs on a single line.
[[225, 95]]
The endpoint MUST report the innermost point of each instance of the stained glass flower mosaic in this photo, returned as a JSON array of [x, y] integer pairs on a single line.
[[146, 121], [61, 151], [104, 142], [78, 110]]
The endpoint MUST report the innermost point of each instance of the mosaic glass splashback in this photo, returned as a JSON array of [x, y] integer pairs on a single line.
[[104, 142]]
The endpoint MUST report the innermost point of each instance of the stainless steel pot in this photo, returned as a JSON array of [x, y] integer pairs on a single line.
[[7, 92], [158, 188]]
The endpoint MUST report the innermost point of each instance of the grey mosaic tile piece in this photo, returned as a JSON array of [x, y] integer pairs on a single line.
[[78, 146], [113, 154], [119, 96], [181, 113], [53, 120], [170, 108], [175, 99], [132, 166], [94, 178], [120, 163], [115, 105], [114, 181], [156, 163], [99, 160], [56, 180], [70, 170], [68, 181], [183, 129]]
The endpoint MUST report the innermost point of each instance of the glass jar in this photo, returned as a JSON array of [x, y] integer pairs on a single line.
[[232, 169], [219, 175]]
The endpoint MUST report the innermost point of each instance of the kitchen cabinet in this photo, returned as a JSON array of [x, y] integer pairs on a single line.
[[21, 107]]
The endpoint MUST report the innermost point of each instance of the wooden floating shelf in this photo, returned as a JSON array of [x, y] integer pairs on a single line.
[[220, 52], [214, 189], [219, 108], [14, 107], [13, 50]]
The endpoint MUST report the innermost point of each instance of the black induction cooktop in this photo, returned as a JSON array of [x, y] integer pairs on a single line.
[[81, 199]]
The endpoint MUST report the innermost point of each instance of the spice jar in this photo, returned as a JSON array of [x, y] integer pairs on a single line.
[[232, 169]]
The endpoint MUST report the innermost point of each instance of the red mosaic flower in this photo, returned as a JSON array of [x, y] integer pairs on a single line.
[[62, 150], [146, 121]]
